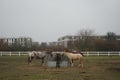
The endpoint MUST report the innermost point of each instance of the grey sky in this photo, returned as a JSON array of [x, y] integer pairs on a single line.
[[47, 20]]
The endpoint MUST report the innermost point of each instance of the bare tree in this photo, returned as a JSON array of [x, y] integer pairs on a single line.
[[85, 33], [86, 39], [111, 36]]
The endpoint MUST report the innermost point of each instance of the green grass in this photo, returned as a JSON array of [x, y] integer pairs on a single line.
[[95, 68]]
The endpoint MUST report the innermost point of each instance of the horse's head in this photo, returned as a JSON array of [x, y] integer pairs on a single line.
[[67, 50], [49, 53], [81, 53], [30, 57]]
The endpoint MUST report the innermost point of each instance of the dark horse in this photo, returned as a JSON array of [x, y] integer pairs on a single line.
[[38, 55]]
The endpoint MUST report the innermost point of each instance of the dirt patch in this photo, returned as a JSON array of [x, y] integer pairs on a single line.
[[96, 68], [31, 67], [114, 69], [86, 76], [55, 70], [3, 63], [112, 62]]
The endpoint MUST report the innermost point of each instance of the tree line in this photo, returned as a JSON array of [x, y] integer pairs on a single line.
[[88, 42], [108, 42]]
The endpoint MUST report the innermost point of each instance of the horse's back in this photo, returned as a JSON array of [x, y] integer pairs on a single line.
[[77, 56], [74, 56]]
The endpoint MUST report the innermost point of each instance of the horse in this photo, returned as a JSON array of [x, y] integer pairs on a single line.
[[37, 55], [74, 56]]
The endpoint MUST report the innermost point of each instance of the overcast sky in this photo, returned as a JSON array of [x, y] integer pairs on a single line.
[[47, 20]]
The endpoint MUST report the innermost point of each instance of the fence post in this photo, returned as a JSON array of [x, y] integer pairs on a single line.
[[10, 53], [98, 54], [1, 53], [108, 53], [19, 53], [87, 53]]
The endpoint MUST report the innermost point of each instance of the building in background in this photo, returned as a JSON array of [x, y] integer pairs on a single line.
[[55, 43], [65, 40], [21, 41]]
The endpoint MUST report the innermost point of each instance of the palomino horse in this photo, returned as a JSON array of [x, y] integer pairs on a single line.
[[74, 56], [38, 55]]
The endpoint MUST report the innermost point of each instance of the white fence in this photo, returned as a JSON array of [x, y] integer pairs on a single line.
[[101, 53], [11, 53], [86, 53]]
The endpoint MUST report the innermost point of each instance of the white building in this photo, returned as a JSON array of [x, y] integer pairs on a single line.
[[21, 41], [63, 41]]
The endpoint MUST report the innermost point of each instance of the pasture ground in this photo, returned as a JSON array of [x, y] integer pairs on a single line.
[[95, 68]]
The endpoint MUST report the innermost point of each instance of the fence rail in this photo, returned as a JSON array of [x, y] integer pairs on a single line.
[[11, 53], [100, 53], [86, 53]]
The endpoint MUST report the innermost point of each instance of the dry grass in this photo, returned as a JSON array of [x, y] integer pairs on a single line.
[[95, 68]]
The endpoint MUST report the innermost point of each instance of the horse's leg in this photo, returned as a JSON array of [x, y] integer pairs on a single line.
[[80, 63], [30, 58], [42, 63], [81, 66], [71, 62]]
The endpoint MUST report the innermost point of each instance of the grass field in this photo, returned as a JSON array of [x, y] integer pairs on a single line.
[[95, 68]]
